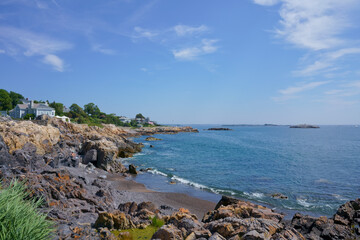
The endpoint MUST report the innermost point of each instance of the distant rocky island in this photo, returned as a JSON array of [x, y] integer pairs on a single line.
[[304, 126], [219, 129]]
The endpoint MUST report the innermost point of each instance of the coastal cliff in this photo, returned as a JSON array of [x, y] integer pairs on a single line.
[[74, 169]]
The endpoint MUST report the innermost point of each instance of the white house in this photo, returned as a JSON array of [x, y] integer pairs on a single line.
[[29, 107], [124, 119], [63, 118]]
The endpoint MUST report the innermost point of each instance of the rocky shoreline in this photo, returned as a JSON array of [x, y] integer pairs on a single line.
[[74, 169]]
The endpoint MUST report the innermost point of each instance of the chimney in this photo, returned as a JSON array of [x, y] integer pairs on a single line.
[[31, 103]]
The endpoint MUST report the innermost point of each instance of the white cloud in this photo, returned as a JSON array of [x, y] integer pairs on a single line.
[[302, 88], [183, 30], [187, 54], [143, 69], [54, 61], [144, 33], [313, 24], [17, 40], [2, 51], [326, 62], [99, 48], [266, 2]]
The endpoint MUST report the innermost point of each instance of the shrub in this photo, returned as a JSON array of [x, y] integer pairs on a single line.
[[29, 116], [19, 217], [156, 222]]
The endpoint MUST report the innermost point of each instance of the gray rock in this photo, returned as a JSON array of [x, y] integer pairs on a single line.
[[90, 157], [132, 169], [216, 236]]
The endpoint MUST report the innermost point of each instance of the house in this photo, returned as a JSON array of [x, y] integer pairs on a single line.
[[124, 119], [3, 113], [63, 118], [29, 107]]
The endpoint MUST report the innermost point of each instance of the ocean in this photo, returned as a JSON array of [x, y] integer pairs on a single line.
[[317, 169]]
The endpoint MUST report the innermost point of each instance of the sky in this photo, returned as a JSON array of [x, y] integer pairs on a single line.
[[183, 62]]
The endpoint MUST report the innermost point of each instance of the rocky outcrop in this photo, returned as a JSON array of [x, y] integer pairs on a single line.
[[152, 139], [304, 126], [219, 129]]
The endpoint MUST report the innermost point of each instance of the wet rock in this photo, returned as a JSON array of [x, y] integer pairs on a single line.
[[279, 196], [132, 169], [152, 139]]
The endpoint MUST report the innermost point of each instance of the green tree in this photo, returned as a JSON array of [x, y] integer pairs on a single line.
[[139, 115], [15, 98], [5, 100], [92, 109], [76, 111], [29, 116], [59, 108]]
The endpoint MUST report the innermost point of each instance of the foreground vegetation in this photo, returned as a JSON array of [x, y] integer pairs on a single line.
[[19, 216]]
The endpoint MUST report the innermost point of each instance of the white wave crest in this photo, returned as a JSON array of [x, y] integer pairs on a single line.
[[154, 171], [255, 195], [303, 203]]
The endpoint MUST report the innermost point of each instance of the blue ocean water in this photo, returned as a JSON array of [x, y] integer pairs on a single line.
[[318, 169]]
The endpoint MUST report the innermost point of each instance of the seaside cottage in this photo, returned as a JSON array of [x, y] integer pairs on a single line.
[[29, 107]]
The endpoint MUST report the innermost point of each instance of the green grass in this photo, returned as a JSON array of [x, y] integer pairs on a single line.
[[136, 233], [20, 218], [156, 222], [145, 234]]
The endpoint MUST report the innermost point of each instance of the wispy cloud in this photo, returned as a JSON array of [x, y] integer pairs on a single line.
[[99, 48], [326, 62], [31, 44], [2, 51], [144, 33], [348, 89], [315, 25], [266, 2], [302, 88], [56, 62], [187, 54], [291, 92], [184, 30]]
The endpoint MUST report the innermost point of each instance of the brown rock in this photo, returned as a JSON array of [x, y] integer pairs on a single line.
[[168, 232], [115, 220]]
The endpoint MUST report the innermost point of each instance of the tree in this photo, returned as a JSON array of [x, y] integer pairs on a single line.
[[92, 109], [59, 108], [76, 108], [139, 115], [5, 100], [76, 111], [15, 98]]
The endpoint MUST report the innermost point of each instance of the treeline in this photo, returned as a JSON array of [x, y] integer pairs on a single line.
[[9, 100], [90, 114]]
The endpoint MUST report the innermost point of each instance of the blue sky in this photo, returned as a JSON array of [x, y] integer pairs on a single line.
[[248, 61]]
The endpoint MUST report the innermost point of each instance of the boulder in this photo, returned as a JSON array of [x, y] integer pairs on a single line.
[[132, 169], [216, 236], [168, 232], [114, 220], [90, 157]]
